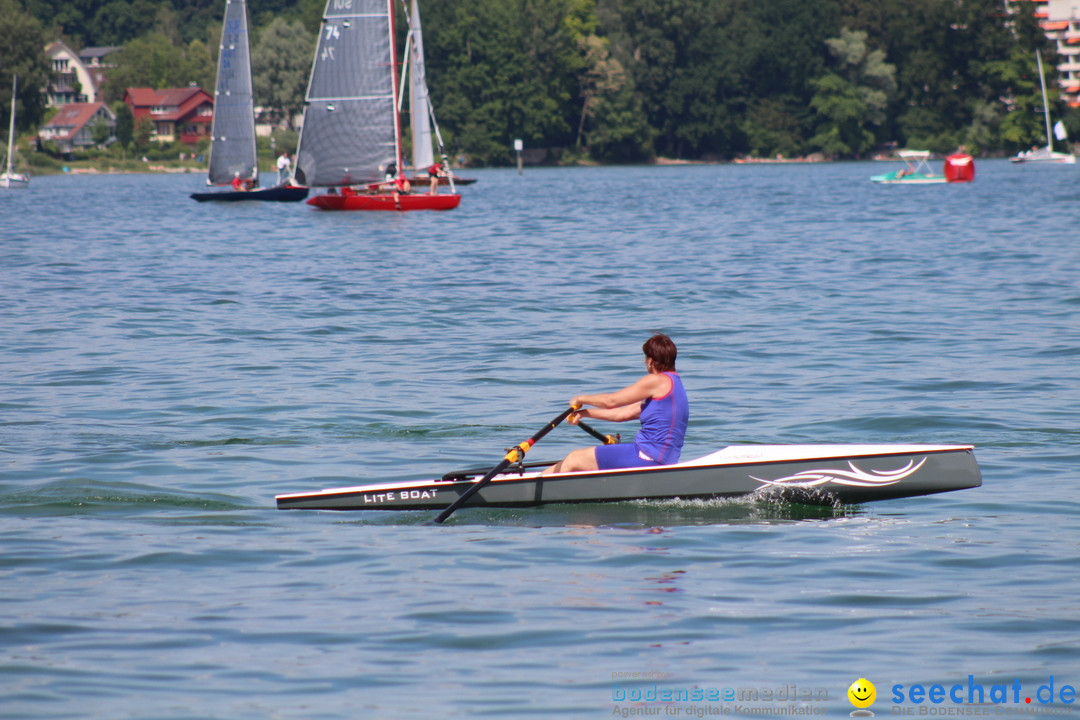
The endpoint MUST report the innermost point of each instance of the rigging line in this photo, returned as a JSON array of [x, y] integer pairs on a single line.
[[405, 68]]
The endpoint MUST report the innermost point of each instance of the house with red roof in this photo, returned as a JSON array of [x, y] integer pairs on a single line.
[[184, 114], [73, 125]]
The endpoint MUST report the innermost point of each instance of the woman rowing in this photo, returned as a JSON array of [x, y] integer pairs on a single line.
[[658, 399]]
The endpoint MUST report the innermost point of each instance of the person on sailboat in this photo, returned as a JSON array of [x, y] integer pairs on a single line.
[[658, 399], [284, 168], [434, 173], [242, 184], [397, 184]]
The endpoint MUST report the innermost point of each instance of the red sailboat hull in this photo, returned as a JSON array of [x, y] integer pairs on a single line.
[[357, 201]]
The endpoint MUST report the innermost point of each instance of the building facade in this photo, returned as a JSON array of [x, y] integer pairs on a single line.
[[74, 124], [184, 114], [1060, 20]]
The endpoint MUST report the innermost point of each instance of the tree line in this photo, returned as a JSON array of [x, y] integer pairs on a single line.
[[627, 80]]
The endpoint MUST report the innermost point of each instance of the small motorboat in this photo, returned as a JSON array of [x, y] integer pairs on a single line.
[[914, 172], [812, 474]]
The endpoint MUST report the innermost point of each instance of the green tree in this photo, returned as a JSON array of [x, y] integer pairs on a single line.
[[612, 117], [280, 64], [144, 131], [22, 53], [154, 62], [199, 67], [842, 112], [772, 128], [125, 124], [116, 22], [100, 132], [503, 69], [1023, 126], [852, 99]]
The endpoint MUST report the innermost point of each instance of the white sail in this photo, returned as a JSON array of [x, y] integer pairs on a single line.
[[350, 133], [232, 150], [1059, 131], [419, 104]]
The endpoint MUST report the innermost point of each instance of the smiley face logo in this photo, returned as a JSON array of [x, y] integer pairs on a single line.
[[862, 693]]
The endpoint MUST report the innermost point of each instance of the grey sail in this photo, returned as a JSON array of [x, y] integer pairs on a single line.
[[419, 104], [232, 149], [350, 124]]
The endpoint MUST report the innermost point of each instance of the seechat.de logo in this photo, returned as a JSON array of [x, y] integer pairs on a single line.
[[862, 695]]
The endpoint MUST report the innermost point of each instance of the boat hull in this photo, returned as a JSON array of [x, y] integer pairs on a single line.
[[891, 179], [823, 475], [14, 180], [278, 193], [1054, 158], [358, 201], [423, 181]]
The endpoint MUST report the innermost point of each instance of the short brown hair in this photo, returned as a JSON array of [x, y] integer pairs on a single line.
[[661, 350]]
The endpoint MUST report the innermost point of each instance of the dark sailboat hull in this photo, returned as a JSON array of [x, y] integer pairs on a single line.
[[423, 181], [278, 193]]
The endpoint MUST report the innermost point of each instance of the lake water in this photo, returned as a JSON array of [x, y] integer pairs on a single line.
[[167, 367]]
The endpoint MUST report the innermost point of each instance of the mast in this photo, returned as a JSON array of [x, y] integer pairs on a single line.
[[1046, 107], [11, 126], [394, 83]]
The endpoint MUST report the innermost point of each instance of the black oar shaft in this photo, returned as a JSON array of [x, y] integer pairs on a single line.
[[606, 439], [516, 453]]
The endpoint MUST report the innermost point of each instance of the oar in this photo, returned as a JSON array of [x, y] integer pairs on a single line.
[[516, 453], [606, 439]]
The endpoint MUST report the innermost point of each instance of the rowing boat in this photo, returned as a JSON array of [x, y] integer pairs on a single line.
[[814, 474]]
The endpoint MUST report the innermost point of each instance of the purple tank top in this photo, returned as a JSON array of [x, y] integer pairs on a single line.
[[663, 424]]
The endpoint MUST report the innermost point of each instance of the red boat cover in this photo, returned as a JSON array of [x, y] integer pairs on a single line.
[[959, 167]]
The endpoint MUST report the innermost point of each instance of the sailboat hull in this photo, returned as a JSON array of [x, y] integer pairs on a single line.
[[278, 193], [1043, 156], [350, 201], [425, 180], [15, 180]]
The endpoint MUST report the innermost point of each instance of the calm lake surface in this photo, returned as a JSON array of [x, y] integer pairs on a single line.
[[167, 367]]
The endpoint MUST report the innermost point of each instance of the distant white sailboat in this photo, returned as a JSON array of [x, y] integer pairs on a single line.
[[1046, 154], [10, 178]]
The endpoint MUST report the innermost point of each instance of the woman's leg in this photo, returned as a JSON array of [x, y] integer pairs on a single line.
[[576, 461]]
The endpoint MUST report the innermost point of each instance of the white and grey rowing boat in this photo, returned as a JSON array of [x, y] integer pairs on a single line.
[[818, 474]]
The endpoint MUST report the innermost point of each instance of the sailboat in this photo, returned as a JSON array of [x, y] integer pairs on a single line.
[[233, 157], [421, 117], [10, 178], [351, 139], [1046, 154]]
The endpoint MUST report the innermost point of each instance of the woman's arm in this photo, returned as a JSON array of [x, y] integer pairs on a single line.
[[621, 414], [624, 404]]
